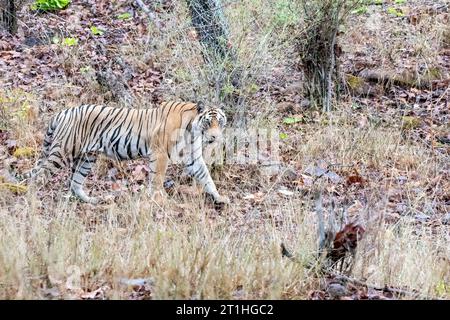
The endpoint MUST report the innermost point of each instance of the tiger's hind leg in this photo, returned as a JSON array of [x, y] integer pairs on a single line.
[[81, 168], [158, 167]]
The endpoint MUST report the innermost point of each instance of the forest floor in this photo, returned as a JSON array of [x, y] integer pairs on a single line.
[[380, 159]]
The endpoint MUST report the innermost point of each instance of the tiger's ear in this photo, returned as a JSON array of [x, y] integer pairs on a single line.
[[200, 106]]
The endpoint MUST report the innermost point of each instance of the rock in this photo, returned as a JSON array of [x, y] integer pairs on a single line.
[[290, 174], [446, 219], [137, 282], [402, 179], [293, 88], [288, 107], [169, 184], [6, 176], [401, 208], [315, 171], [51, 292], [305, 104], [336, 290], [270, 169], [277, 169]]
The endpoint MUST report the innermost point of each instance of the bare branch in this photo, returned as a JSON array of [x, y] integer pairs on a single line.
[[151, 16]]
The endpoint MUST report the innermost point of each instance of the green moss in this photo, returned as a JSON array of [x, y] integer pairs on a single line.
[[409, 122], [354, 82]]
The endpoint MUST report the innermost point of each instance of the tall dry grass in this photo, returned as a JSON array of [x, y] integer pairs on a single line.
[[191, 251]]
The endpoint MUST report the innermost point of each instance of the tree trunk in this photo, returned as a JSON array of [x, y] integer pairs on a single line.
[[209, 22], [211, 26], [9, 15]]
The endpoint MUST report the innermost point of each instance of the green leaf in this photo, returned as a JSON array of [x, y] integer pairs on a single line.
[[442, 288], [70, 42], [360, 10], [49, 5], [124, 16], [96, 31], [409, 122], [85, 69], [228, 89], [396, 12], [283, 136], [253, 88], [399, 1], [290, 120]]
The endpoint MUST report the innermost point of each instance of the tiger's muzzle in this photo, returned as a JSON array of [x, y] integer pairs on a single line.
[[213, 133]]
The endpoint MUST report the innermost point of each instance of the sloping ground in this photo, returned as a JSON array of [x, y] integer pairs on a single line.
[[56, 54], [381, 159]]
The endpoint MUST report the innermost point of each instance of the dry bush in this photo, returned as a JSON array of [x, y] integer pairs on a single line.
[[317, 46]]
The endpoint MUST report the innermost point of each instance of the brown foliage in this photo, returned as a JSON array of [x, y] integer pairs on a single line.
[[346, 241]]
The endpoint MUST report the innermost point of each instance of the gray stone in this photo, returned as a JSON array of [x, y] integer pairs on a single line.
[[336, 290]]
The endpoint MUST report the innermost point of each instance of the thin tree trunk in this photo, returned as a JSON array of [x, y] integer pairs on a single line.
[[209, 22], [9, 15], [211, 26], [331, 71]]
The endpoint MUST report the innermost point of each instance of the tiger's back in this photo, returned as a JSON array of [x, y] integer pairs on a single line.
[[122, 134]]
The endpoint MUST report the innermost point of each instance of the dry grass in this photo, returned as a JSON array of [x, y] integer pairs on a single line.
[[192, 251], [188, 249]]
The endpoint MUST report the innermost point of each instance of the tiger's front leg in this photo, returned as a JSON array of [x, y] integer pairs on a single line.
[[158, 167], [200, 172]]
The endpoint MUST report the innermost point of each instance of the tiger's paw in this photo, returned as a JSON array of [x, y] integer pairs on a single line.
[[221, 201], [108, 199], [92, 200]]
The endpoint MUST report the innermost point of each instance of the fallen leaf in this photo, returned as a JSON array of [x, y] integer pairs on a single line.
[[115, 186], [140, 173], [355, 178], [346, 241]]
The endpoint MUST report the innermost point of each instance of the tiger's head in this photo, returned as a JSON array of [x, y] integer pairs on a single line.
[[210, 121]]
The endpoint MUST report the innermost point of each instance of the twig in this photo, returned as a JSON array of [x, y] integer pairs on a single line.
[[320, 223], [150, 14], [327, 107]]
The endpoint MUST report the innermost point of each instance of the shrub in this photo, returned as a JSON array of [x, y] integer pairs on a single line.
[[317, 46]]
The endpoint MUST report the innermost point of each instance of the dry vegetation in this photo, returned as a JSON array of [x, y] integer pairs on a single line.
[[380, 159]]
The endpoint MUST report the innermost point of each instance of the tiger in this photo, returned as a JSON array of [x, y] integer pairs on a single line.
[[76, 136]]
